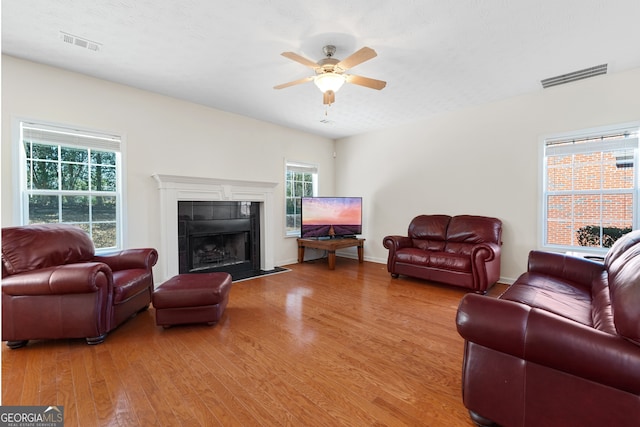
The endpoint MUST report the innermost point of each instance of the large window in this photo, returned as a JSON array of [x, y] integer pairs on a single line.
[[301, 180], [73, 177], [590, 189]]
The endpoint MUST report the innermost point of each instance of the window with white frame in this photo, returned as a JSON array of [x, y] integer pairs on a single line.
[[301, 180], [72, 176], [590, 188]]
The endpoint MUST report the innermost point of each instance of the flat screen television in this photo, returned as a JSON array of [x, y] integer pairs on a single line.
[[331, 217]]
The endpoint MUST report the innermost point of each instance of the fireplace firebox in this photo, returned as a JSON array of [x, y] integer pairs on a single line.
[[218, 236]]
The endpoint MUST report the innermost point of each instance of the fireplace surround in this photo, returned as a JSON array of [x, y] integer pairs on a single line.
[[175, 188]]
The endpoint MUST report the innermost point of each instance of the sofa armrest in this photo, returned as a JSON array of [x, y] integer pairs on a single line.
[[549, 340], [576, 270], [83, 278], [127, 259], [485, 260], [393, 243], [485, 252], [493, 323]]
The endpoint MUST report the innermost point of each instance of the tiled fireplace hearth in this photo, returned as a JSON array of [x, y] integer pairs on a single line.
[[174, 189]]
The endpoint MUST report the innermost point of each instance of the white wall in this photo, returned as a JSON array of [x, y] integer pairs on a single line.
[[482, 161], [163, 135]]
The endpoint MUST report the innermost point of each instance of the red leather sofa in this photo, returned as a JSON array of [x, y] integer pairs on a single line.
[[461, 250], [54, 286], [560, 347]]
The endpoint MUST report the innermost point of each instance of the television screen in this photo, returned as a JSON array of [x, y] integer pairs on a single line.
[[331, 216]]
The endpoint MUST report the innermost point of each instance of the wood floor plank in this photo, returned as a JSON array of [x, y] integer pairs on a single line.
[[206, 405], [311, 346], [281, 379], [124, 357], [65, 393], [166, 362], [237, 370], [32, 376], [98, 385], [226, 406], [120, 408], [13, 372], [83, 398]]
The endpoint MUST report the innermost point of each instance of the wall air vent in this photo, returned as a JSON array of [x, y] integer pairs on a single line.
[[80, 42], [576, 75]]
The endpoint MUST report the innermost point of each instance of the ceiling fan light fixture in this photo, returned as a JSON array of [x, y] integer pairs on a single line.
[[329, 81], [330, 75]]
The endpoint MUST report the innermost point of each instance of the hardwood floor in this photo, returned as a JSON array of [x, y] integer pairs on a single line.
[[309, 347]]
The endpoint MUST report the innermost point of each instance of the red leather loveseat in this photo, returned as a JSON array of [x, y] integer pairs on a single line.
[[560, 347], [461, 250], [54, 286]]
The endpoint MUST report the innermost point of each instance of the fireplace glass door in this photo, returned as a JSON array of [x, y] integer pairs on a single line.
[[218, 236]]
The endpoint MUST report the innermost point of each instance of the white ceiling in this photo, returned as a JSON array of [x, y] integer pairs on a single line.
[[435, 55]]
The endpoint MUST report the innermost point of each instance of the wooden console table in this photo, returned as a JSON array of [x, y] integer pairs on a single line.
[[330, 245]]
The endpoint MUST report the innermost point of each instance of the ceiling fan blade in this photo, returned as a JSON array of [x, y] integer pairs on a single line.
[[300, 59], [366, 82], [364, 54], [293, 83]]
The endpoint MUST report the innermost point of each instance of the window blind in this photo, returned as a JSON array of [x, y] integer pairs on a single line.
[[302, 167], [591, 146], [45, 134]]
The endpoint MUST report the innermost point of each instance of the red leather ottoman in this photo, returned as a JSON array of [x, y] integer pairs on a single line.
[[192, 298]]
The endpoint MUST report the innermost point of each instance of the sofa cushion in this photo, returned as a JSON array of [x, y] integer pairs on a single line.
[[434, 259], [552, 294], [449, 261], [464, 231], [413, 256], [428, 232], [623, 265], [33, 247], [129, 283]]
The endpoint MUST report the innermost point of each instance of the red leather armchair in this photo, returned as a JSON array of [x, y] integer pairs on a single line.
[[560, 347], [54, 286], [462, 250]]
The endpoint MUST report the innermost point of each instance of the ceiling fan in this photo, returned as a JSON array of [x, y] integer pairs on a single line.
[[330, 72]]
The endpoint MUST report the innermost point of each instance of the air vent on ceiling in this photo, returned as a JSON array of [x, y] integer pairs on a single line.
[[80, 42], [576, 75]]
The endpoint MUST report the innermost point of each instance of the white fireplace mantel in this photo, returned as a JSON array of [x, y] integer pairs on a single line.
[[174, 188]]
